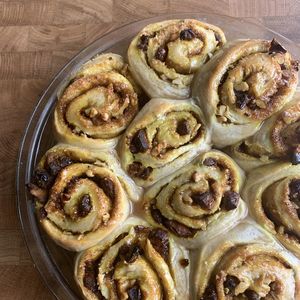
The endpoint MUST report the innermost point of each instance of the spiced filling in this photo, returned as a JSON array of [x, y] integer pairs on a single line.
[[175, 227], [90, 278]]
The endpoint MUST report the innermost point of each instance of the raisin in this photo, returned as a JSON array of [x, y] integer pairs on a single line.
[[56, 164], [187, 34], [242, 99], [184, 262], [230, 200], [231, 282], [43, 213], [251, 295], [84, 206], [42, 178], [160, 241], [210, 162], [108, 187], [161, 54], [204, 200], [179, 229], [134, 293], [139, 142], [143, 44], [183, 127]]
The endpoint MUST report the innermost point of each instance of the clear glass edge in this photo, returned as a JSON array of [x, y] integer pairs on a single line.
[[28, 147]]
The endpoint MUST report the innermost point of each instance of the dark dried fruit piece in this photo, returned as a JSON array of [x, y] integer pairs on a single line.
[[230, 200], [218, 37], [179, 229], [204, 200], [209, 162], [143, 44], [184, 262], [295, 65], [251, 295], [136, 169], [230, 283], [157, 216], [139, 142], [160, 241], [108, 187], [84, 206], [133, 253], [187, 34], [43, 213], [161, 54], [90, 276], [134, 293], [296, 157], [210, 294], [183, 127], [275, 47], [42, 178], [294, 187], [242, 99], [55, 164]]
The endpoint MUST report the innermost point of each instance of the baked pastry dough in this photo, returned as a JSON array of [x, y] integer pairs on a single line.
[[98, 104], [163, 137], [245, 83], [81, 196], [277, 139], [273, 195], [199, 201], [164, 56], [135, 262], [246, 263]]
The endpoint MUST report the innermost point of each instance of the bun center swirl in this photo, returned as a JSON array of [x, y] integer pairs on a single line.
[[281, 203], [255, 83], [250, 272]]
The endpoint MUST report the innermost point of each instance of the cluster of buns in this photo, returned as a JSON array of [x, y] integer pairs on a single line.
[[177, 175]]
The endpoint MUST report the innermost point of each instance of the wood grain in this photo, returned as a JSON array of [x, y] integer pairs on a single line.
[[36, 38]]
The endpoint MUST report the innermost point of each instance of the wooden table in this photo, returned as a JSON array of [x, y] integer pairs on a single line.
[[37, 37]]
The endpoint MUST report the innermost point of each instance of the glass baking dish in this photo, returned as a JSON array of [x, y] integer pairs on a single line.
[[53, 262]]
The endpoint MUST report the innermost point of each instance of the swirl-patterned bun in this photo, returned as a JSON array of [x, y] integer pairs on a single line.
[[277, 139], [135, 262], [81, 196], [199, 201], [164, 56], [245, 83], [98, 104], [246, 263], [164, 136], [273, 195]]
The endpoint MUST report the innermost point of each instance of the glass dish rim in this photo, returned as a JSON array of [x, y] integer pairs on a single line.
[[36, 123]]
